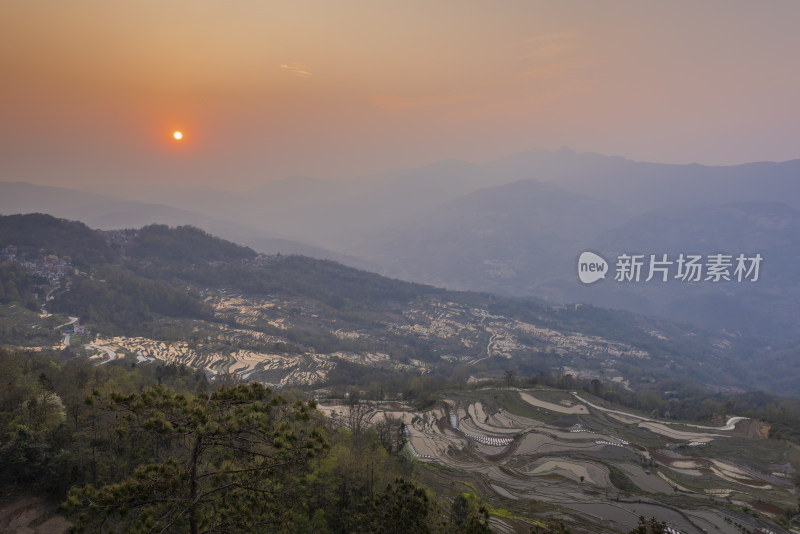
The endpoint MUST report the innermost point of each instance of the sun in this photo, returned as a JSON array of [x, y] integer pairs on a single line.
[[177, 135]]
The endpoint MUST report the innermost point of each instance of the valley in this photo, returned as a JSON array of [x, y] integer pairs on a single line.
[[546, 413]]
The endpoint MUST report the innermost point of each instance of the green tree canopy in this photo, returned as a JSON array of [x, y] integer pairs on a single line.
[[221, 463]]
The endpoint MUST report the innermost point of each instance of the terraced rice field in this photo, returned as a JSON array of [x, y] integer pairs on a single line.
[[589, 462]]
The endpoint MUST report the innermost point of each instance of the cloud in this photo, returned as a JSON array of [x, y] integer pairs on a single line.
[[551, 56], [298, 69], [552, 46], [397, 103], [550, 70]]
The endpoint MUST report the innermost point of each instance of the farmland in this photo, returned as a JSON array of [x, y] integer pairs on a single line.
[[553, 450]]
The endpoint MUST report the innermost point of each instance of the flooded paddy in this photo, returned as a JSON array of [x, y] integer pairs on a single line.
[[569, 461]]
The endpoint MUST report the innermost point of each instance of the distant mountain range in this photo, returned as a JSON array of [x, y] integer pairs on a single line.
[[532, 246], [514, 226]]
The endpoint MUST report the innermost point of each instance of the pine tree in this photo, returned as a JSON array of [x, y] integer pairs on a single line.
[[227, 462]]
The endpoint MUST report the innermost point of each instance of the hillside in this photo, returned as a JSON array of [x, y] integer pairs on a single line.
[[180, 295], [543, 414], [573, 456], [533, 452]]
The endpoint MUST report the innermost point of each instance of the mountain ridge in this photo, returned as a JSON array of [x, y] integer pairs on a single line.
[[299, 316]]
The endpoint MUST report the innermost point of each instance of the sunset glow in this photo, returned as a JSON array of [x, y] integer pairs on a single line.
[[350, 89], [178, 135]]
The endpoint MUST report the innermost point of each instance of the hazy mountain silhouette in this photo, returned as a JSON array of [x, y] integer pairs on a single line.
[[504, 239]]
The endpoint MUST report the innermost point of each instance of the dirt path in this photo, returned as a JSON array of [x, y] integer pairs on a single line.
[[108, 352], [72, 320], [488, 350]]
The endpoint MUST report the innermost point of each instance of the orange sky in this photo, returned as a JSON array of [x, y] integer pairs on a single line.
[[92, 90]]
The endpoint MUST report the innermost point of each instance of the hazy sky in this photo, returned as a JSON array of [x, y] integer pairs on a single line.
[[91, 91]]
